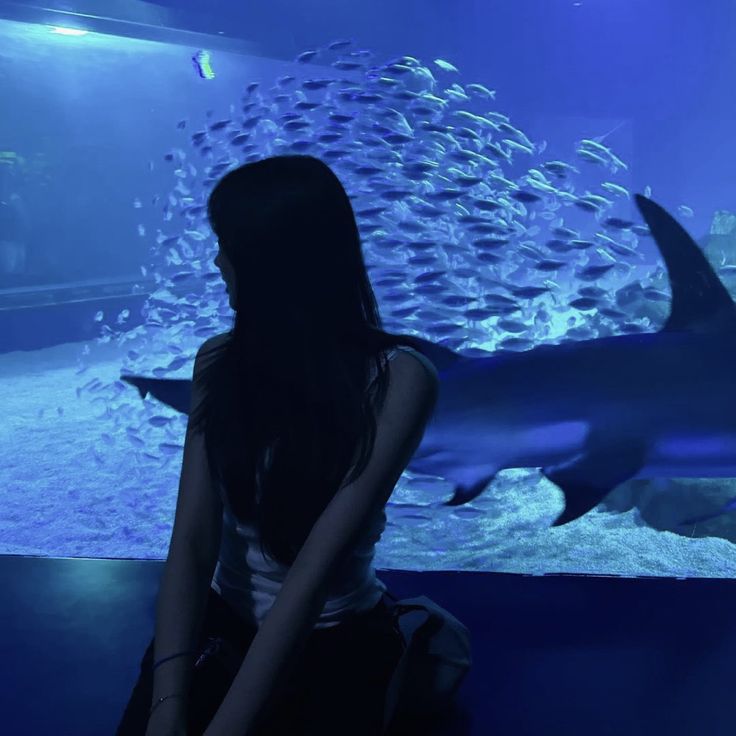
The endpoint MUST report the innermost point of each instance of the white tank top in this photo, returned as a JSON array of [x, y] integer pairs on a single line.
[[250, 581]]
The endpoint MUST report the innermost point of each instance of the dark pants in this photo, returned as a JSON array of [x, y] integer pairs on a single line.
[[338, 687]]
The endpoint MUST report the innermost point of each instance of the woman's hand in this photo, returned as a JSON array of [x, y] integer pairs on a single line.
[[169, 719]]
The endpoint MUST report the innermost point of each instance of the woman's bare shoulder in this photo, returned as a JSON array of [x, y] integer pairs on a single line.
[[216, 340], [221, 338], [207, 349]]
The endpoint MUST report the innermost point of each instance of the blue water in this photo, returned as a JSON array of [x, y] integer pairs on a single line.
[[112, 143]]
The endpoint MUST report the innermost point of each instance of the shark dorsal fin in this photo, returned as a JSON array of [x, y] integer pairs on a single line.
[[700, 301]]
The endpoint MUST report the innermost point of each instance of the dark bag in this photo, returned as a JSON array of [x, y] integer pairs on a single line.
[[435, 661], [432, 667]]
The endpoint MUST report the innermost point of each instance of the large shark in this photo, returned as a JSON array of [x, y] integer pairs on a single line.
[[591, 414]]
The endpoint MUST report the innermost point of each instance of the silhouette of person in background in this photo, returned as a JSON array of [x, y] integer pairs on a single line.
[[13, 227]]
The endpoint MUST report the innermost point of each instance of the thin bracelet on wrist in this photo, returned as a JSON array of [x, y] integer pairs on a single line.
[[173, 656], [173, 695]]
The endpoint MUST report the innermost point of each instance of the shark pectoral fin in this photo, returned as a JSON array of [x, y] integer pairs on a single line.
[[477, 479], [591, 476], [468, 479]]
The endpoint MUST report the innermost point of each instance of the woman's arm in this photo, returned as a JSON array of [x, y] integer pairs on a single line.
[[273, 654]]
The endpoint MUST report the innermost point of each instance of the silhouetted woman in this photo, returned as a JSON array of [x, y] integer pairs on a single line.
[[303, 418]]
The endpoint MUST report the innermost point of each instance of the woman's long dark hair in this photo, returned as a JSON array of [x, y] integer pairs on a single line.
[[293, 372]]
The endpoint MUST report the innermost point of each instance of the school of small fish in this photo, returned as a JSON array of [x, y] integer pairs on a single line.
[[461, 215]]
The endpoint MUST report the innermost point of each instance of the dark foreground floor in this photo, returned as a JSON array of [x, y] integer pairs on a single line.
[[553, 655]]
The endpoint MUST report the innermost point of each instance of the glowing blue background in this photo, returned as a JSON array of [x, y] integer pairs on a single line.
[[91, 113]]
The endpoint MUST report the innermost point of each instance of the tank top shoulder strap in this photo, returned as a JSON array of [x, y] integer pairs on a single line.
[[428, 364], [405, 348]]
